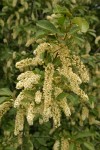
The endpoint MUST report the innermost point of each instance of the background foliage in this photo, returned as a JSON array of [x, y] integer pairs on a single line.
[[22, 24]]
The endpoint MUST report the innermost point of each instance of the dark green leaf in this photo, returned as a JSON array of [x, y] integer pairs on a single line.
[[42, 141], [27, 144]]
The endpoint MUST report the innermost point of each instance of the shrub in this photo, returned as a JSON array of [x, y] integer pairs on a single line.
[[55, 46]]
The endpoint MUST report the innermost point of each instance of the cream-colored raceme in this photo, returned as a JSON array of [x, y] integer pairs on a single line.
[[81, 69], [30, 114], [44, 89], [56, 114], [56, 145], [64, 106], [27, 80], [19, 121], [85, 113], [64, 143], [47, 91], [4, 107], [38, 97]]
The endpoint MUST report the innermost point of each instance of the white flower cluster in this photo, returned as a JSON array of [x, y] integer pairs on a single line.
[[64, 143], [47, 91], [37, 60], [92, 121], [19, 99], [26, 62], [30, 114], [56, 145], [30, 41], [19, 121], [74, 81], [27, 80], [42, 48], [4, 107], [61, 144], [64, 106], [81, 69], [85, 113], [43, 100], [38, 97], [56, 114], [57, 91]]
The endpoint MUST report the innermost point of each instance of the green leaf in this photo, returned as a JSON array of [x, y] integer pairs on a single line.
[[73, 98], [89, 146], [10, 148], [82, 23], [37, 70], [40, 33], [46, 25], [74, 30], [61, 20], [28, 145], [71, 146], [62, 10], [2, 99], [61, 96], [84, 134], [79, 39], [93, 34], [42, 141], [5, 92]]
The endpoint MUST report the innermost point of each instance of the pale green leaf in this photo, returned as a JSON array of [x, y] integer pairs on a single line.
[[82, 23]]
